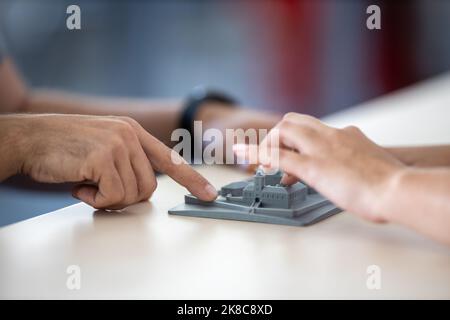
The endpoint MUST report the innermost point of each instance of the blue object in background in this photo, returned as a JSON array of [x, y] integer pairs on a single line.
[[21, 198]]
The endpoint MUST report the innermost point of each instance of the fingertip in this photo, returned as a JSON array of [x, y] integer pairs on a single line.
[[206, 193], [288, 180], [211, 192]]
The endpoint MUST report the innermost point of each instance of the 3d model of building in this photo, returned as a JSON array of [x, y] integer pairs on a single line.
[[266, 191], [262, 199]]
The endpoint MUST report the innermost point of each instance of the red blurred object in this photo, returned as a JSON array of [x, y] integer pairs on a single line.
[[296, 34], [293, 62], [396, 63]]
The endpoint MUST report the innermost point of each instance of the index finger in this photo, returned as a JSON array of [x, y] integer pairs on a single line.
[[161, 158]]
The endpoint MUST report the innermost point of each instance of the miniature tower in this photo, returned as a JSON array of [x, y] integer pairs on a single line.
[[259, 183]]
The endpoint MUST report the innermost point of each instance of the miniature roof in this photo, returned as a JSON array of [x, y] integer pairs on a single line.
[[296, 187], [249, 186], [275, 189], [285, 189]]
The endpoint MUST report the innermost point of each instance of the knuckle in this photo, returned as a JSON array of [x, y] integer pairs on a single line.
[[125, 129], [291, 116], [126, 119], [310, 118], [287, 128], [117, 148], [130, 121], [335, 133], [284, 125], [352, 129], [294, 116], [115, 145]]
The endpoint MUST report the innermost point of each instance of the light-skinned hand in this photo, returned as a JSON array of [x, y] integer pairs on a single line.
[[342, 164]]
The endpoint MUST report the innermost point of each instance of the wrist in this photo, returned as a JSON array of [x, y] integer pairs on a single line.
[[209, 113], [204, 105], [401, 154], [386, 205]]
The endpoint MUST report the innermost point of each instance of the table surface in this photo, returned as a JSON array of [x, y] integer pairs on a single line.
[[143, 252]]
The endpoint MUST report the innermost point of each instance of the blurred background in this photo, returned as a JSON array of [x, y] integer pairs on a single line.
[[314, 56]]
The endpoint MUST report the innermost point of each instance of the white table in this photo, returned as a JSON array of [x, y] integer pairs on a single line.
[[145, 253]]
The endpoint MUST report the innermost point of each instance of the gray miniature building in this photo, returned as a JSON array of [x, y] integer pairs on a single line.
[[262, 199], [234, 188], [266, 191]]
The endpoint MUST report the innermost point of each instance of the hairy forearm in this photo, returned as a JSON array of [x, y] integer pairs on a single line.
[[426, 156], [11, 145], [159, 117], [420, 199]]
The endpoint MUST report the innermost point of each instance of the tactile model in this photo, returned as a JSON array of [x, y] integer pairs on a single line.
[[262, 199]]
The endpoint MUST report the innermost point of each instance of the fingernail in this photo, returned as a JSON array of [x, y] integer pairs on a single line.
[[210, 190]]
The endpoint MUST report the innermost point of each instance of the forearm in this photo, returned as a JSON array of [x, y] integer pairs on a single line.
[[159, 117], [420, 199], [427, 156], [11, 145]]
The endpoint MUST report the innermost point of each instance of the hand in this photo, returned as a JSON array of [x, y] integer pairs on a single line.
[[342, 164], [113, 158], [216, 115]]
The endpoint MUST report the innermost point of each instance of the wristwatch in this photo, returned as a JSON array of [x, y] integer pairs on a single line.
[[196, 99]]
